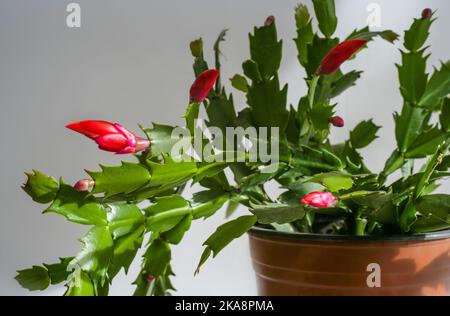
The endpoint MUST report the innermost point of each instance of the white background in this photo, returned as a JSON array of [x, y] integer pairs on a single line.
[[129, 63]]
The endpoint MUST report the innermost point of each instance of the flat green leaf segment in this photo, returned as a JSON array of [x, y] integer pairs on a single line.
[[38, 278], [161, 140], [40, 188], [363, 134], [277, 213], [264, 94], [224, 235], [96, 253], [77, 207], [325, 13], [121, 179], [154, 278], [433, 213], [437, 87]]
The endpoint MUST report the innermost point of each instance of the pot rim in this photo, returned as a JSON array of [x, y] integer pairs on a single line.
[[260, 231]]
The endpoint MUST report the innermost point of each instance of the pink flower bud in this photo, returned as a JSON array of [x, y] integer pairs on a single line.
[[150, 278], [269, 21], [203, 84], [336, 121], [84, 185], [319, 199], [427, 13], [111, 136]]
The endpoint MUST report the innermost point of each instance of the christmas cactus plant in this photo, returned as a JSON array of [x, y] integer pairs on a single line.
[[327, 188]]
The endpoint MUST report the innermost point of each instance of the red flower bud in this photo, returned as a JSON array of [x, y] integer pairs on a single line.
[[110, 136], [338, 55], [269, 21], [84, 185], [336, 121], [319, 199], [203, 84], [427, 13]]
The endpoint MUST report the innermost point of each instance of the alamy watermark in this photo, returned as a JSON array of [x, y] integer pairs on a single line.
[[374, 277], [73, 19], [234, 144]]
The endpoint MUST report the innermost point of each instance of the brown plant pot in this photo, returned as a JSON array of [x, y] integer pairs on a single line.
[[306, 264]]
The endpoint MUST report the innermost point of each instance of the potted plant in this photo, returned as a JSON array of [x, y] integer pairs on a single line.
[[338, 228]]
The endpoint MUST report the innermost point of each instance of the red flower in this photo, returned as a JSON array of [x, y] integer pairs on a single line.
[[339, 54], [203, 84], [110, 136], [427, 13], [84, 185], [337, 121], [319, 199]]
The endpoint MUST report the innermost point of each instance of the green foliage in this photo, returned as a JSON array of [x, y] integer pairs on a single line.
[[433, 213], [40, 188], [154, 278], [161, 140], [417, 34], [77, 207], [166, 213], [444, 117], [175, 234], [264, 97], [206, 203], [334, 181], [38, 278], [224, 235], [409, 125], [125, 249], [437, 87], [363, 134], [80, 284], [124, 219], [325, 13], [305, 33], [265, 50], [240, 83], [277, 213], [426, 143], [95, 256], [343, 83], [33, 279], [412, 75], [125, 178]]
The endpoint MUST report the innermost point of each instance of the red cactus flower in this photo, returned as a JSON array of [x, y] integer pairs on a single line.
[[84, 185], [110, 136], [338, 55], [319, 199], [336, 121], [203, 84], [427, 13]]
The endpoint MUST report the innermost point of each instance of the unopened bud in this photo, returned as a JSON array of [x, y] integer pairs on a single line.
[[84, 185], [337, 121], [427, 13], [269, 21]]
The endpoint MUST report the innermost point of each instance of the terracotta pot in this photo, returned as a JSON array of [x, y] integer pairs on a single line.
[[303, 264]]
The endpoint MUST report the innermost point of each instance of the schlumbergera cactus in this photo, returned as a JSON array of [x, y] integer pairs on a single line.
[[327, 188]]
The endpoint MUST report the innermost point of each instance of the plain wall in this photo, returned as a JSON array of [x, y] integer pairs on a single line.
[[130, 63]]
